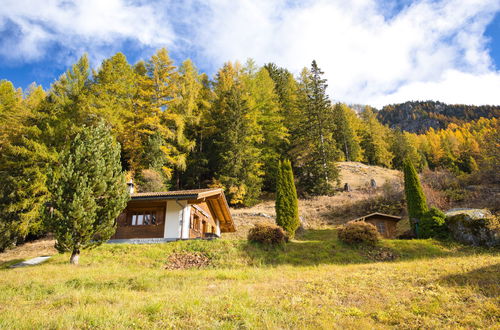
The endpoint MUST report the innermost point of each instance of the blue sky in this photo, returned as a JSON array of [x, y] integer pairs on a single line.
[[372, 51]]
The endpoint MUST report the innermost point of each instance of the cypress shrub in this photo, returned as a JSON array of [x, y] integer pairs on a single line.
[[287, 207], [415, 198], [433, 224]]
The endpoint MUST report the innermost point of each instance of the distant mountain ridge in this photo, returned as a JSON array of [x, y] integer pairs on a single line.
[[419, 116]]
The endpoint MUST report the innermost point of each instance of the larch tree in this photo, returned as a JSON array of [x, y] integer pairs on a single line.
[[416, 202], [88, 191], [113, 97], [24, 163], [344, 133], [188, 106], [287, 209], [315, 149], [374, 141], [263, 101]]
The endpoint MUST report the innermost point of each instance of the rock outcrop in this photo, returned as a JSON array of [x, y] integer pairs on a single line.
[[474, 227]]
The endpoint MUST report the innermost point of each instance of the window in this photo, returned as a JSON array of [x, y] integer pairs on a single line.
[[143, 218], [381, 227]]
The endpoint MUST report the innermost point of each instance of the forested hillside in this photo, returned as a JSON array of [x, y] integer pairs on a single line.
[[180, 129], [418, 117]]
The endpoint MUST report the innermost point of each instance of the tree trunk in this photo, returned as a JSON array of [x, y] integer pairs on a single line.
[[75, 256]]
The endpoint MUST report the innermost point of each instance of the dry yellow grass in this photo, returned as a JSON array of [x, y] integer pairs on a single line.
[[358, 175]]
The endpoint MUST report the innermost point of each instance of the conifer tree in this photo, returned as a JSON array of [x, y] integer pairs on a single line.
[[198, 173], [344, 134], [88, 191], [113, 94], [287, 209], [374, 140], [262, 100], [235, 135], [416, 202], [315, 149]]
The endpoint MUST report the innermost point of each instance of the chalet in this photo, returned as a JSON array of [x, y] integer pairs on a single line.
[[174, 215], [385, 223]]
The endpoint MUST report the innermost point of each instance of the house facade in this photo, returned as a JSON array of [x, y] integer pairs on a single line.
[[174, 215], [386, 224]]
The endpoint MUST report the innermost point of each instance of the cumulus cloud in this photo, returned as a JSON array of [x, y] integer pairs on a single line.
[[31, 30], [372, 51], [368, 56]]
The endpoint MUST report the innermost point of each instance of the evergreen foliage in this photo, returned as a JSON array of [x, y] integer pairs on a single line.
[[287, 209], [315, 151], [432, 224], [235, 156], [415, 199], [88, 191]]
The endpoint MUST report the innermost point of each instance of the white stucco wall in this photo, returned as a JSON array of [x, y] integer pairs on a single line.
[[185, 222]]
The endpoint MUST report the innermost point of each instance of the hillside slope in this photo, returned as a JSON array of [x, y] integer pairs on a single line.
[[321, 211], [418, 117]]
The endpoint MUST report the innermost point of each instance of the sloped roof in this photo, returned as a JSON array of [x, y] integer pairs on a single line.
[[388, 216], [178, 194]]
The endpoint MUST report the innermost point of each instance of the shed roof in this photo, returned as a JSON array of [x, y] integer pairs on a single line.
[[377, 214], [214, 197]]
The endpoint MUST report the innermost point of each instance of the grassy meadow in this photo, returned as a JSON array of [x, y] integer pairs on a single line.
[[313, 282]]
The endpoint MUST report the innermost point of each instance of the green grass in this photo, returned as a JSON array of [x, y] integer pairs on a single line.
[[313, 282]]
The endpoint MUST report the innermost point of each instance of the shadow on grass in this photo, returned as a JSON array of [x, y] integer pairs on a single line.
[[485, 280], [8, 263], [320, 246]]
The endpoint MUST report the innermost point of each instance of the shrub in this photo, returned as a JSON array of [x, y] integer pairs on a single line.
[[267, 234], [359, 232], [432, 224]]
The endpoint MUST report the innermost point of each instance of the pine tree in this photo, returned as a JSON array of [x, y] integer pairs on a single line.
[[415, 199], [234, 138], [88, 191], [315, 149], [287, 209]]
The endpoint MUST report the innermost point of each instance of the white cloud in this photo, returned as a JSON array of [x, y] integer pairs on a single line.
[[77, 27], [370, 52], [366, 57]]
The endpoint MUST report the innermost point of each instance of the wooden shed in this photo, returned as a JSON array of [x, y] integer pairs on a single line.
[[174, 215], [385, 223]]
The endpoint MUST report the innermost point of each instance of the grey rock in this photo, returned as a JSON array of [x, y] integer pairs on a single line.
[[476, 227]]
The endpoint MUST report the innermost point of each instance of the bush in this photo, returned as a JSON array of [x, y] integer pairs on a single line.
[[432, 224], [267, 234], [359, 232]]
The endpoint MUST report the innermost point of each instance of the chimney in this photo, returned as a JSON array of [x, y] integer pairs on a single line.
[[130, 186]]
